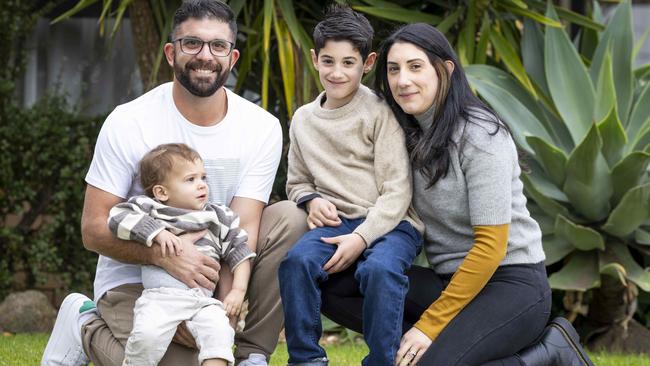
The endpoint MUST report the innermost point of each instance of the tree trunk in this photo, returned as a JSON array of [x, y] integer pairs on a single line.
[[147, 45], [609, 325]]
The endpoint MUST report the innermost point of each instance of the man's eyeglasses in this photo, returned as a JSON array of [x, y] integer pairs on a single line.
[[193, 46]]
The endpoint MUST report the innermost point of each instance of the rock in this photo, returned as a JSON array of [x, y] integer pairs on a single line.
[[28, 311]]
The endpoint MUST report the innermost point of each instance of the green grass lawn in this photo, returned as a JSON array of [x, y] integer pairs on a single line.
[[26, 349]]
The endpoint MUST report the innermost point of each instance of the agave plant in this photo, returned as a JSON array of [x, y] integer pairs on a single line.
[[584, 123]]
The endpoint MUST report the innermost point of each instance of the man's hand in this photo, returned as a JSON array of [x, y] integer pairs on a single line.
[[350, 247], [413, 345], [234, 301], [193, 268], [322, 213], [168, 243]]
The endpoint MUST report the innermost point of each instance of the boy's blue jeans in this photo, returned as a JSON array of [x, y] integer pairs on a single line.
[[380, 271]]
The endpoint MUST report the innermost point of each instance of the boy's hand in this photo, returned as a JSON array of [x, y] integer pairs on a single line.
[[168, 242], [233, 301], [322, 213], [350, 247]]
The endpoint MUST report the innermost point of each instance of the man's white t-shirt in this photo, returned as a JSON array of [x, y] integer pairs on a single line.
[[241, 156]]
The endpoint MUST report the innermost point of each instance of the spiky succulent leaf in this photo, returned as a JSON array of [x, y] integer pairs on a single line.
[[552, 159], [640, 117], [588, 182], [619, 34], [555, 248], [544, 185], [580, 273], [614, 137], [532, 54], [631, 212], [510, 109], [582, 237], [605, 89], [568, 80], [628, 173], [548, 205], [642, 236]]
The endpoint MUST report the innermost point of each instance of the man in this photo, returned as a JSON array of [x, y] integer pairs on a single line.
[[241, 146]]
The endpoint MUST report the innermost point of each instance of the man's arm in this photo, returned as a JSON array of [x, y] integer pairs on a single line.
[[250, 215], [193, 268]]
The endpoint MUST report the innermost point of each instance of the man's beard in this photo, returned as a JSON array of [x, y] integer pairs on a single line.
[[201, 87]]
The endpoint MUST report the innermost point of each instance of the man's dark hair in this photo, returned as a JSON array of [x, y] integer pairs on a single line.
[[200, 9], [344, 24]]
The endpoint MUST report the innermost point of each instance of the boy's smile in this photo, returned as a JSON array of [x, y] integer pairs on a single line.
[[340, 68]]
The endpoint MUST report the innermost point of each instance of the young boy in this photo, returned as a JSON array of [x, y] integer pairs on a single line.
[[348, 167], [173, 177]]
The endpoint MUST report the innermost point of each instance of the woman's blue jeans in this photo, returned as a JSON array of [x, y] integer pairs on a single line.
[[380, 272]]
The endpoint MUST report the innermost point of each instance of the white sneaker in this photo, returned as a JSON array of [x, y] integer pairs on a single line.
[[64, 346], [254, 359]]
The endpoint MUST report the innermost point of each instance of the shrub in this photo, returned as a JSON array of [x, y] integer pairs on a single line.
[[45, 153]]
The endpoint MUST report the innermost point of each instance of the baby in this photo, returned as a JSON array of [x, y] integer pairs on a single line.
[[176, 201]]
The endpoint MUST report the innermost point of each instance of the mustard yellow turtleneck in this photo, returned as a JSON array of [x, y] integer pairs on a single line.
[[489, 249]]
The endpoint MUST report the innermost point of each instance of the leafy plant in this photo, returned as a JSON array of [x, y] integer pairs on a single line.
[[44, 154], [585, 125]]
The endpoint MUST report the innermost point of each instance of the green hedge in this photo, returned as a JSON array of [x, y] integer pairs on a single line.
[[44, 155]]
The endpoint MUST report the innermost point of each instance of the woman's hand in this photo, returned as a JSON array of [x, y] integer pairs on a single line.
[[322, 213], [350, 247], [413, 345]]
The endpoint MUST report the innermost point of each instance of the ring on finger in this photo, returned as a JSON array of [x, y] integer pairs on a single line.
[[412, 354]]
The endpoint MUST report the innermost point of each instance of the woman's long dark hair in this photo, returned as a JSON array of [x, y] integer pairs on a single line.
[[430, 150]]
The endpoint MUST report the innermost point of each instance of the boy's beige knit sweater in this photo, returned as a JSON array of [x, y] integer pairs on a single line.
[[355, 157]]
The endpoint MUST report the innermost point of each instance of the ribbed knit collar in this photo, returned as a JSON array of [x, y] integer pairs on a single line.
[[344, 111], [425, 120]]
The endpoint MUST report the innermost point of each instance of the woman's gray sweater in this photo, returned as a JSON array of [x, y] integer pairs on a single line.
[[482, 187]]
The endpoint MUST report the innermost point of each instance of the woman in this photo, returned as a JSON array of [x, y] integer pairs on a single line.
[[486, 296]]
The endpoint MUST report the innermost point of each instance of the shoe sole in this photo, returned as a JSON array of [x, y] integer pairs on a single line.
[[66, 316], [568, 331]]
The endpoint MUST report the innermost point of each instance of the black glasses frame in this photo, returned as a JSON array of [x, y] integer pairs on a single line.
[[180, 42]]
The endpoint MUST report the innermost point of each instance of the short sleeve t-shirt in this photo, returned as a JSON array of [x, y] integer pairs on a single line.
[[241, 155]]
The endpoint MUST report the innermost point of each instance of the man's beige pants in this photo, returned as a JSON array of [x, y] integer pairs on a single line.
[[282, 225]]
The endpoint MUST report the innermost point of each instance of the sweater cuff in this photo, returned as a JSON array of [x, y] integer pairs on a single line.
[[145, 230], [429, 326], [237, 255], [153, 235], [367, 234], [302, 201]]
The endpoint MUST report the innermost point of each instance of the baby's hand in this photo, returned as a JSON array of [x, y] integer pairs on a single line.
[[233, 301], [322, 213], [168, 242]]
